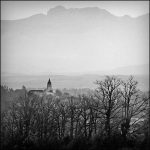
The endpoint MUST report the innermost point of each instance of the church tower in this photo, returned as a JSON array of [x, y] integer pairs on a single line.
[[49, 86]]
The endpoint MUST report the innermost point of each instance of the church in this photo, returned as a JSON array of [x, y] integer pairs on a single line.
[[42, 92]]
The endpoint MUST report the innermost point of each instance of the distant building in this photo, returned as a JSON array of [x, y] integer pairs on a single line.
[[42, 92]]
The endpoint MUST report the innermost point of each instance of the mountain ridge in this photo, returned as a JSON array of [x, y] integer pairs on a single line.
[[61, 9]]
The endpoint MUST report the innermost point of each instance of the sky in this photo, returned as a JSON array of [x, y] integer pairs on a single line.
[[72, 52], [13, 10]]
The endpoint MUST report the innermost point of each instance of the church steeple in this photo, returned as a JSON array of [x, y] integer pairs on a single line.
[[49, 82], [49, 86]]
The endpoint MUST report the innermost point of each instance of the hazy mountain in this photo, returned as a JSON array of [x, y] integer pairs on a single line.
[[75, 39], [73, 19], [126, 70], [131, 70]]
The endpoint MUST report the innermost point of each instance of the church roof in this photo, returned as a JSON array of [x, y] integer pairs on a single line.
[[35, 89]]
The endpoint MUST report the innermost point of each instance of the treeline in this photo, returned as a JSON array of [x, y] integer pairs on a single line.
[[115, 116]]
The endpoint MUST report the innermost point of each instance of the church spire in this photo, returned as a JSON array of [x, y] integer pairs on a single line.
[[49, 86], [49, 81]]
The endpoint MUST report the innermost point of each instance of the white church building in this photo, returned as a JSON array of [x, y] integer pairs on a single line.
[[42, 92]]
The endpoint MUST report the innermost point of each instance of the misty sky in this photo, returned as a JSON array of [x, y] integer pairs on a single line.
[[16, 10], [72, 52]]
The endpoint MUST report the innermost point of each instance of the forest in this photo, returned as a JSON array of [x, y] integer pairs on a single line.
[[116, 115]]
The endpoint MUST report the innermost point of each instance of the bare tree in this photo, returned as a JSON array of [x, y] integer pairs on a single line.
[[133, 105], [108, 94]]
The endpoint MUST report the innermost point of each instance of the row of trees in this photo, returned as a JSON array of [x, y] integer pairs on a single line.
[[115, 108]]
